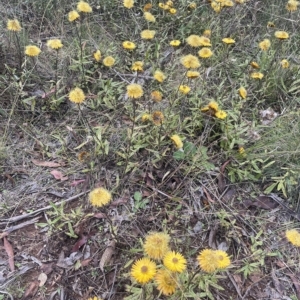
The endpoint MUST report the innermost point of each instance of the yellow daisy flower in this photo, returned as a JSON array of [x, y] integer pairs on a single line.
[[157, 119], [77, 95], [143, 270], [292, 5], [222, 259], [254, 65], [173, 11], [32, 50], [282, 35], [149, 17], [156, 96], [243, 92], [293, 236], [177, 142], [73, 15], [207, 260], [128, 3], [204, 41], [240, 1], [184, 89], [264, 45], [207, 33], [147, 6], [97, 55], [193, 5], [99, 197], [159, 76], [213, 105], [83, 6], [138, 66], [270, 24], [192, 74], [221, 114], [194, 40], [190, 61], [109, 61], [146, 117], [175, 261], [217, 7], [166, 282], [175, 43], [228, 3], [284, 64], [134, 90], [54, 44], [156, 243], [228, 41], [205, 52], [169, 3], [257, 75], [14, 25], [161, 5], [147, 34], [128, 45]]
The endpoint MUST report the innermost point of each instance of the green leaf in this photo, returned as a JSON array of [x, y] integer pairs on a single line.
[[179, 155], [137, 196]]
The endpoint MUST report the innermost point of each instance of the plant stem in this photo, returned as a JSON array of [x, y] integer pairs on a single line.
[[56, 75], [79, 35], [19, 50]]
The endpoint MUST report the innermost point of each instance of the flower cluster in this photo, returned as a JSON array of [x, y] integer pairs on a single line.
[[212, 109], [213, 260]]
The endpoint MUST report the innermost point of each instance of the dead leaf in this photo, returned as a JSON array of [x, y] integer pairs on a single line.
[[47, 268], [58, 175], [295, 280], [68, 261], [85, 262], [279, 287], [107, 254], [83, 239], [49, 164], [221, 177], [208, 195], [10, 252], [263, 202], [76, 182], [119, 202], [100, 215], [42, 279], [31, 291]]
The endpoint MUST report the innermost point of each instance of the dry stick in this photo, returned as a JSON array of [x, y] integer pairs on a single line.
[[235, 285], [21, 217]]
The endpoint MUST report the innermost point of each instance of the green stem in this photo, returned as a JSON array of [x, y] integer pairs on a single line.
[[79, 35], [56, 75]]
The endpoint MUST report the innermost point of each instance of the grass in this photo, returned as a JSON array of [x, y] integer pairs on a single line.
[[122, 141]]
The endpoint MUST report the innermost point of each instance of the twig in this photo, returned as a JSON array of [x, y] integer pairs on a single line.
[[21, 217], [235, 285]]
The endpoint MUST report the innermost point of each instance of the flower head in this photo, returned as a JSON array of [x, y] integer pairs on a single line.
[[177, 142], [285, 63], [143, 270], [147, 34], [83, 6], [73, 15], [264, 45], [156, 243], [240, 1], [159, 76], [175, 43], [216, 6], [175, 261], [95, 298], [257, 75], [243, 92], [292, 5], [192, 74], [128, 3], [54, 44], [221, 114], [147, 7], [137, 66], [32, 50], [109, 61], [173, 11], [128, 45], [207, 33], [134, 90], [157, 119], [254, 65], [282, 35], [207, 260], [190, 61], [77, 95], [222, 259], [156, 96], [205, 52], [149, 17], [193, 5], [194, 40], [99, 197], [146, 117], [166, 282], [97, 55], [228, 3], [228, 41], [293, 236], [213, 105], [184, 89], [270, 24], [14, 25]]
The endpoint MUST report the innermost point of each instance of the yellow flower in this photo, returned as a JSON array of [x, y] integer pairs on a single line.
[[264, 45], [213, 105], [166, 7], [207, 33], [146, 117], [270, 24], [159, 76], [177, 142], [228, 41], [156, 243], [14, 25], [293, 236], [184, 89], [292, 5], [282, 35], [254, 65], [156, 96], [128, 3], [243, 92], [149, 17], [161, 5], [54, 44], [284, 64], [222, 259], [147, 6], [192, 74], [173, 11], [157, 119], [221, 114], [137, 66], [97, 55], [77, 95], [129, 45], [207, 260], [99, 197], [95, 298], [190, 61], [73, 15], [217, 7], [257, 75], [242, 151], [143, 270], [174, 261], [83, 6], [240, 1], [108, 61], [228, 3], [169, 3], [205, 108], [166, 282], [193, 5], [175, 43], [147, 34], [205, 52], [194, 40], [134, 90], [204, 41], [32, 50]]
